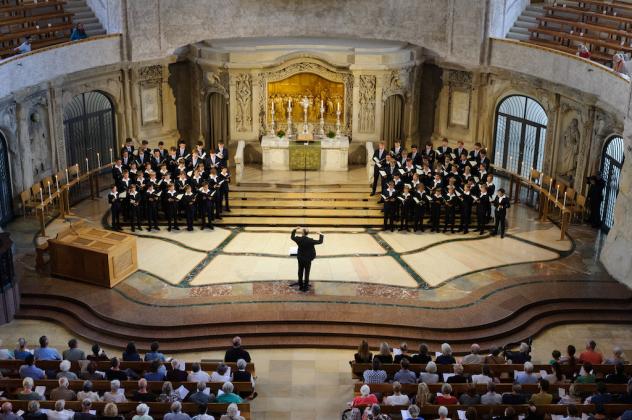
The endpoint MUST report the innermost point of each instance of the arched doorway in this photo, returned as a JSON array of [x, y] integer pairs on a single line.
[[611, 164], [6, 199], [393, 127], [520, 135], [89, 128], [218, 119]]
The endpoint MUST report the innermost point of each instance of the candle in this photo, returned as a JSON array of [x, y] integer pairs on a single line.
[[564, 199], [57, 182], [41, 197], [273, 108], [541, 177], [550, 188], [49, 194], [322, 103], [87, 167], [67, 177], [338, 107], [98, 160], [557, 192], [289, 106], [111, 156], [77, 165]]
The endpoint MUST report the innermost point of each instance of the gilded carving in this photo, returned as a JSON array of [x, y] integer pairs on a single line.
[[366, 102], [243, 96]]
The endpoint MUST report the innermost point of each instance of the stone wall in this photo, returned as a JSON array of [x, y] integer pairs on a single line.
[[109, 13]]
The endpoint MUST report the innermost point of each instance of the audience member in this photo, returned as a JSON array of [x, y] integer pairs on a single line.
[[114, 371], [131, 354], [446, 397], [470, 396], [458, 377], [114, 395], [87, 393], [62, 392], [64, 371], [572, 413], [397, 398], [228, 395], [484, 377], [527, 376], [422, 357], [27, 392], [586, 375], [515, 397], [403, 353], [142, 412], [617, 357], [626, 398], [557, 377], [423, 396], [519, 357], [543, 396], [430, 376], [92, 373], [73, 353], [590, 354], [384, 354], [571, 397], [176, 412], [85, 414], [583, 51], [471, 414], [474, 357], [414, 412], [142, 394], [445, 358], [78, 33], [97, 354], [201, 397], [168, 394], [43, 352], [494, 357], [443, 413], [154, 354], [21, 351], [405, 375], [242, 375], [60, 412], [236, 352], [25, 46], [600, 395], [222, 374], [375, 375], [570, 358], [155, 374], [6, 412], [363, 355], [365, 397], [232, 413], [619, 376], [556, 355], [110, 412], [491, 397], [202, 413], [5, 354], [197, 374], [33, 412], [177, 372]]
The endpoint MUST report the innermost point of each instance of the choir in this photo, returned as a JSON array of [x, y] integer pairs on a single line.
[[436, 182], [179, 183]]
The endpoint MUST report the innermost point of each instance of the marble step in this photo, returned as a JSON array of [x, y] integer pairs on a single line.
[[295, 212], [260, 186], [328, 195], [307, 204], [342, 189], [299, 221]]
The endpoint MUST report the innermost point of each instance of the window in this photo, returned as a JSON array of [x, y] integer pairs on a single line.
[[520, 135], [611, 164]]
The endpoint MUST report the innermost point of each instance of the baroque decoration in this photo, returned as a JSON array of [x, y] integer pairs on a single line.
[[397, 82], [243, 97], [277, 74], [366, 123]]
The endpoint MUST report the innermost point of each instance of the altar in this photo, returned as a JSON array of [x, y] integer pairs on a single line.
[[326, 154]]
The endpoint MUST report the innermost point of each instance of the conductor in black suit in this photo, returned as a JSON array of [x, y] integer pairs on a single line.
[[305, 254]]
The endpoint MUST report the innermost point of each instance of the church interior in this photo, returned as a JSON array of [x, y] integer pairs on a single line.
[[450, 178]]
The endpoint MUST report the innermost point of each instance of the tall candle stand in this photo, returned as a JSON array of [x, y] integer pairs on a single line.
[[289, 120], [321, 130], [338, 122]]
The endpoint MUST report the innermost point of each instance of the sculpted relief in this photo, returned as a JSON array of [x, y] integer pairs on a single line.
[[243, 91], [39, 142], [567, 159], [366, 123]]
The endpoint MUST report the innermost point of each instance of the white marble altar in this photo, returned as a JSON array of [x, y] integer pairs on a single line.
[[334, 153]]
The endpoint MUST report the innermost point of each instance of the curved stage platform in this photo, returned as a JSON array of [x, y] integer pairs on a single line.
[[195, 290]]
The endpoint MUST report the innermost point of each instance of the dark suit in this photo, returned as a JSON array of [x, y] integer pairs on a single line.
[[306, 253]]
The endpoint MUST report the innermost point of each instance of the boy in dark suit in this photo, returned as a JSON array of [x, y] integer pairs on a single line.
[[115, 205], [305, 255], [502, 204]]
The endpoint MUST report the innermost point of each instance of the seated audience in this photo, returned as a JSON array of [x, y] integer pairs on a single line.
[[363, 355], [626, 398], [491, 397], [98, 354], [458, 377], [21, 351], [471, 414], [557, 377], [572, 396], [527, 377], [197, 374], [142, 394], [384, 354], [33, 412], [78, 33], [443, 413], [494, 357], [430, 376], [110, 412], [484, 377], [202, 413], [590, 354], [470, 396], [236, 352], [176, 412], [509, 414], [5, 354], [397, 398], [142, 412], [572, 413], [570, 358], [446, 397], [474, 357], [64, 371], [422, 357], [405, 375], [131, 354], [619, 376], [6, 412], [232, 413], [155, 374], [617, 357], [201, 397], [556, 355], [365, 398], [27, 392], [114, 371], [403, 353], [515, 397], [600, 395], [60, 412], [87, 393], [586, 375], [375, 375], [519, 357], [414, 412], [92, 373], [168, 395], [62, 392], [242, 375], [445, 358], [43, 352], [177, 372], [423, 396], [29, 370], [25, 46], [543, 396], [85, 414], [228, 395], [114, 395], [222, 374], [73, 353], [154, 354]]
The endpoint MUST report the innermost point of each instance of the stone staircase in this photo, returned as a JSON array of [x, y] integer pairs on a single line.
[[84, 14], [520, 29]]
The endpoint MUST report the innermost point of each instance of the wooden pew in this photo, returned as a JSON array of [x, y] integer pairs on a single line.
[[156, 410]]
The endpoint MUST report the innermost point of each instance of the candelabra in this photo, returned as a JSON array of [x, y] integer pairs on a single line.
[[305, 104], [321, 130], [338, 122], [289, 121]]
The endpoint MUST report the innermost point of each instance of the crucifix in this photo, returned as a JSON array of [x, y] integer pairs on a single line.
[[305, 104]]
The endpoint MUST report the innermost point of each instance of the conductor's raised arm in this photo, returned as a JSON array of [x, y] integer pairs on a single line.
[[293, 236], [320, 239]]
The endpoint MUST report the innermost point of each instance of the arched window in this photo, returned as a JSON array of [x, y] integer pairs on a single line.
[[520, 135], [6, 208], [611, 164], [89, 129]]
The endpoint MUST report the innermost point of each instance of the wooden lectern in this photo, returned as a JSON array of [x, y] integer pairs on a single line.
[[96, 256]]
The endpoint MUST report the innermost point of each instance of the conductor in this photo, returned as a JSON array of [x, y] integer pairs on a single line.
[[305, 254]]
